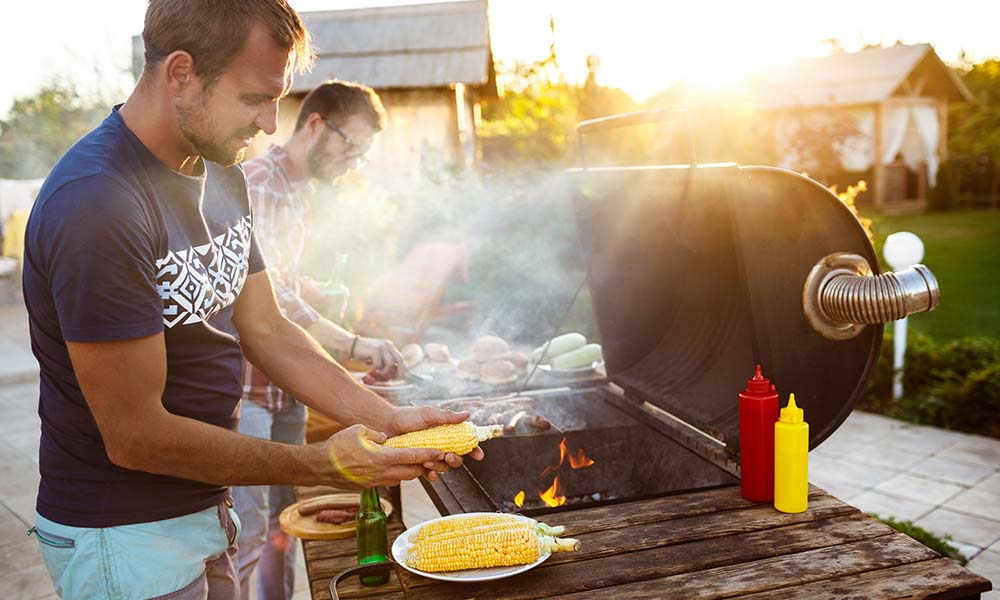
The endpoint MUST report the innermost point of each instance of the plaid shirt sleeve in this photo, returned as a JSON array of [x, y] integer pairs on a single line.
[[266, 196]]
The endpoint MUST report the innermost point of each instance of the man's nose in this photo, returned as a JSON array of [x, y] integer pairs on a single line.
[[267, 118]]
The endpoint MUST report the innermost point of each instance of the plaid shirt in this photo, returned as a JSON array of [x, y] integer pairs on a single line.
[[281, 212]]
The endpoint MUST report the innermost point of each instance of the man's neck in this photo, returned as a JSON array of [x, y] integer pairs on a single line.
[[151, 120], [296, 148]]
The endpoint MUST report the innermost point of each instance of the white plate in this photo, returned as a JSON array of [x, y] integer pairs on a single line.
[[592, 368], [401, 546]]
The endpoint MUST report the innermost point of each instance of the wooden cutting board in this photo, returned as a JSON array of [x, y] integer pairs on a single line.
[[308, 528]]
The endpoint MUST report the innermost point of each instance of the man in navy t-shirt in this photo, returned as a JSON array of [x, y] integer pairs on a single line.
[[143, 281]]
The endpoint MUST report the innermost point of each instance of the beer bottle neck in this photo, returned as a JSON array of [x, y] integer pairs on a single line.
[[370, 501]]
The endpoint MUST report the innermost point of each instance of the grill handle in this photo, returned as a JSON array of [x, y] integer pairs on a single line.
[[639, 117], [841, 295]]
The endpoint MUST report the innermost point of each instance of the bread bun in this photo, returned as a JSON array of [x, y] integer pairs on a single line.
[[413, 354], [520, 360], [437, 352], [498, 371], [468, 368], [489, 347]]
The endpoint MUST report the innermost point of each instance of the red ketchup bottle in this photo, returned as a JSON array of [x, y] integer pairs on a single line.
[[758, 413]]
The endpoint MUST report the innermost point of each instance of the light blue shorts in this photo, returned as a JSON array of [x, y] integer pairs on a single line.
[[179, 558]]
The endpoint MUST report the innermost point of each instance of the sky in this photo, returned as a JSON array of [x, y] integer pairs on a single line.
[[644, 46]]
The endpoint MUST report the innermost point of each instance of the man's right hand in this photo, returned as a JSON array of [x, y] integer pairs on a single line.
[[355, 459]]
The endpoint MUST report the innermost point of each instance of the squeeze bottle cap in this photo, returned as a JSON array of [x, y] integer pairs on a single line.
[[791, 413], [758, 383]]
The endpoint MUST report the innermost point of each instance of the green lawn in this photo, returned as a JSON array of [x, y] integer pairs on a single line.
[[963, 250]]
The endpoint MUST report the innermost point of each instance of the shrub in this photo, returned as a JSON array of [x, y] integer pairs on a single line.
[[944, 195], [955, 385]]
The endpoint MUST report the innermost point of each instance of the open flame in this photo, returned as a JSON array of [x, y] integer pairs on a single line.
[[553, 495]]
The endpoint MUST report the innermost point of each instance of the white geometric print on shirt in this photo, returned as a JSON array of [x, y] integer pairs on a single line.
[[191, 291]]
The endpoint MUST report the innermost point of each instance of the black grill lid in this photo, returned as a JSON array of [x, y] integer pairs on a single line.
[[696, 274]]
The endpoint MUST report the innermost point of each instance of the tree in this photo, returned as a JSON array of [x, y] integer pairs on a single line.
[[975, 130], [41, 127]]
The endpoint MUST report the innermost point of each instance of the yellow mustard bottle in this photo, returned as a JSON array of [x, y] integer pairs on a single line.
[[791, 460]]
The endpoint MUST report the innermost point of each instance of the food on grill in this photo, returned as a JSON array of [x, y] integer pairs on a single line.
[[413, 355], [562, 344], [449, 528], [489, 347], [496, 372], [437, 352], [468, 368], [336, 517], [520, 360], [459, 438], [485, 549], [311, 509], [381, 380], [581, 357]]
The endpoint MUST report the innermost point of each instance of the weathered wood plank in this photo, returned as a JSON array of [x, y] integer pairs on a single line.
[[352, 588], [627, 567], [610, 542], [779, 572], [320, 549], [665, 508], [941, 578]]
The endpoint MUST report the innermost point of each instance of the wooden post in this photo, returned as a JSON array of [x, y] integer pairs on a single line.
[[942, 106], [878, 171]]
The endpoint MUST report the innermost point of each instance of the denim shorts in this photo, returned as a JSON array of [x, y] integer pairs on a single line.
[[174, 558]]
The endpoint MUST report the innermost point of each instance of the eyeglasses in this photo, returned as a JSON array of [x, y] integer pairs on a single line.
[[357, 158]]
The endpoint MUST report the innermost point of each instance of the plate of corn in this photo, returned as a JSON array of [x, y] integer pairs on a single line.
[[478, 546]]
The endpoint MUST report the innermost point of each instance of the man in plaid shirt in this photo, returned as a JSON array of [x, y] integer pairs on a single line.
[[334, 130]]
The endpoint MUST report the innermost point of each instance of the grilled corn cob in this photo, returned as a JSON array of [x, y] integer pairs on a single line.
[[500, 548], [458, 526], [459, 438]]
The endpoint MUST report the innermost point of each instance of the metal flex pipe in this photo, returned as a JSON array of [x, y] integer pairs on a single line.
[[841, 295]]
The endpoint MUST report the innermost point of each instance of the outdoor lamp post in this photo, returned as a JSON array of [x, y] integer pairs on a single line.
[[902, 250]]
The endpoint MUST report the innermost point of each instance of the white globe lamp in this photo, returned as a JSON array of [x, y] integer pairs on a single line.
[[902, 250]]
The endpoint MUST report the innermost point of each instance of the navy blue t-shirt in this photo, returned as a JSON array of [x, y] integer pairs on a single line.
[[118, 246]]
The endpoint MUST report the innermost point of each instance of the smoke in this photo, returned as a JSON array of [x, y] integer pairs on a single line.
[[518, 227]]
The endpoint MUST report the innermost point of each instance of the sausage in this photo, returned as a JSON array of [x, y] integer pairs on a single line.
[[312, 509], [336, 517]]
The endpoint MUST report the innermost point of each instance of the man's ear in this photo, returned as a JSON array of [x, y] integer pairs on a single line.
[[178, 71]]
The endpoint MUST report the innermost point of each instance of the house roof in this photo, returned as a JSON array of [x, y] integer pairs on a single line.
[[865, 77], [415, 46]]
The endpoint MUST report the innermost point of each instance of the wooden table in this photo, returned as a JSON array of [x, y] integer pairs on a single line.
[[706, 544]]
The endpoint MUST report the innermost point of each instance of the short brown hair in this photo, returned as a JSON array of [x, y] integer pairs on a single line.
[[213, 31], [338, 100]]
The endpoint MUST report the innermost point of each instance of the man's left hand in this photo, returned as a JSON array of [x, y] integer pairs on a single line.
[[415, 418]]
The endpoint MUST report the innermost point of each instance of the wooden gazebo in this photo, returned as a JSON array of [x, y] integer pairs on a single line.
[[895, 103]]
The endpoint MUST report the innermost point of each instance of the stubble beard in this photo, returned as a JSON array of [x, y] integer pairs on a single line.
[[196, 125]]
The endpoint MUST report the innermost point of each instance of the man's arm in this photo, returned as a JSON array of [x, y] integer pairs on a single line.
[[123, 382], [296, 362]]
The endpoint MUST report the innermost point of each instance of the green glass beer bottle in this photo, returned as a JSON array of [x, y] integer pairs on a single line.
[[373, 543]]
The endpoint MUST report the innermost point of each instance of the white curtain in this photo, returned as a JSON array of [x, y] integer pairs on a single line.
[[925, 118], [894, 131]]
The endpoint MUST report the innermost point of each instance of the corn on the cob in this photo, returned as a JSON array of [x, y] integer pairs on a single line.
[[459, 438], [501, 548], [458, 526]]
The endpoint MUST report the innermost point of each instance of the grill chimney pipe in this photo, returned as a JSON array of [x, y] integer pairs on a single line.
[[841, 295]]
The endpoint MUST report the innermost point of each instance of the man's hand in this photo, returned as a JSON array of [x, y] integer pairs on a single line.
[[382, 355], [358, 461], [415, 418]]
